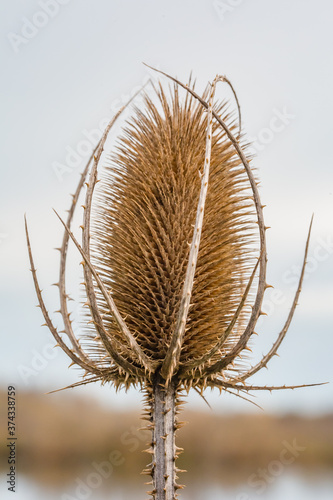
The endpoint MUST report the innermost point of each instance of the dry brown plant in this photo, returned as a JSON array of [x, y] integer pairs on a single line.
[[173, 279]]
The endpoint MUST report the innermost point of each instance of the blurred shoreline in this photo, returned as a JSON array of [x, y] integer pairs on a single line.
[[64, 436]]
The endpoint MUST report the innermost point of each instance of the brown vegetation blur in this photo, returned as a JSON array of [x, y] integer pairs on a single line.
[[61, 435]]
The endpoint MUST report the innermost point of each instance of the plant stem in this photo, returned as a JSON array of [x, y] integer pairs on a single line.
[[163, 412]]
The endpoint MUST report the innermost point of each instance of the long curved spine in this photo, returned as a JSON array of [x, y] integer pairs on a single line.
[[282, 334], [171, 361], [256, 311]]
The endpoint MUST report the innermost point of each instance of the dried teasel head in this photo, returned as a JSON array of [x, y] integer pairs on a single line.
[[143, 225], [169, 263], [168, 253]]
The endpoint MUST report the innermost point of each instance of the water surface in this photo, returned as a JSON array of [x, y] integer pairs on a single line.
[[286, 487]]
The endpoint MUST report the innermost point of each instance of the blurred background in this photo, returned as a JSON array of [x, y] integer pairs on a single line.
[[67, 67]]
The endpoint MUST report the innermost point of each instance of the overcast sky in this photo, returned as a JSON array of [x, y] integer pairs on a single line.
[[68, 64]]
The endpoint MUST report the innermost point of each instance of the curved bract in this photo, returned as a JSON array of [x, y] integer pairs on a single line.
[[170, 268]]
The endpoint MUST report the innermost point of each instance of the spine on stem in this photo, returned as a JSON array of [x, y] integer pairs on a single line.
[[163, 407]]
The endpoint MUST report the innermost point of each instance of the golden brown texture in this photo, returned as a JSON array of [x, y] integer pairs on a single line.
[[143, 226]]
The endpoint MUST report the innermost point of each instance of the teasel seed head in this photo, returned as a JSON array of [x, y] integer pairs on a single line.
[[173, 283]]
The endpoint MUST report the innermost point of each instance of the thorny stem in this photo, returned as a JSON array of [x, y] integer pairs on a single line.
[[162, 415], [163, 439]]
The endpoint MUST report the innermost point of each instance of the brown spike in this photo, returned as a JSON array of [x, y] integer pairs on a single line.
[[149, 450], [147, 472]]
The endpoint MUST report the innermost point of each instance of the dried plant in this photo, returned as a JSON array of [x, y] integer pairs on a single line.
[[169, 264]]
